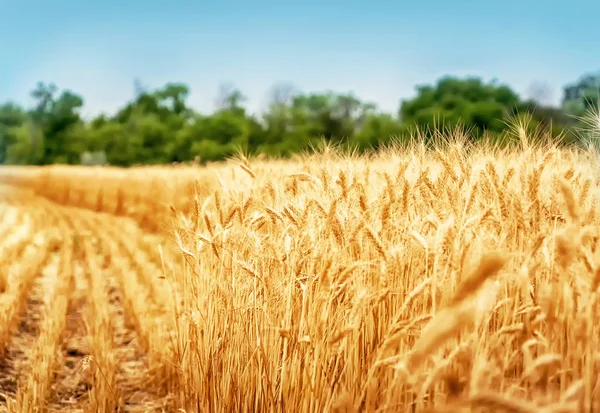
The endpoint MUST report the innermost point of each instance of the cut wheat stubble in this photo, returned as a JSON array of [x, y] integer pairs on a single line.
[[22, 318]]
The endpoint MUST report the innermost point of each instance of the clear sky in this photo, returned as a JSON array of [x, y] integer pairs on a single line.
[[377, 49]]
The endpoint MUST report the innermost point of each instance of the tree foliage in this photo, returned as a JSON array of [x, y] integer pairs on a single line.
[[469, 102], [583, 95], [158, 126]]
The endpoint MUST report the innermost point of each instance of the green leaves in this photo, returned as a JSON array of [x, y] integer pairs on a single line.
[[468, 102], [158, 126], [582, 96]]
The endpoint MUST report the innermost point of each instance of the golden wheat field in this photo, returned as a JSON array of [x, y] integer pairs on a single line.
[[451, 280]]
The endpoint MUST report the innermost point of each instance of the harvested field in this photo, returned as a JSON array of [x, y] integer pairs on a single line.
[[458, 280], [67, 336]]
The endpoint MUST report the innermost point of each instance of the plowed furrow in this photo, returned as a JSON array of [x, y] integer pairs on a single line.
[[22, 276], [73, 380], [146, 260], [35, 388], [105, 396], [150, 275], [133, 364], [24, 313], [143, 319], [84, 317], [134, 263], [115, 338]]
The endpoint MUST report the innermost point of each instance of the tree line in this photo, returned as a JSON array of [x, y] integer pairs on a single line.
[[158, 126]]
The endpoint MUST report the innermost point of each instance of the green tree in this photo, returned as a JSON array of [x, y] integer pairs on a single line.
[[582, 96], [378, 129], [470, 102], [158, 126], [148, 129], [11, 118], [20, 141], [56, 117]]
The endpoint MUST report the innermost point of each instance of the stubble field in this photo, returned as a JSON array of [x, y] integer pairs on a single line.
[[453, 280]]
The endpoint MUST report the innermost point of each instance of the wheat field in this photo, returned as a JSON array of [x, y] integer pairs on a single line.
[[452, 280]]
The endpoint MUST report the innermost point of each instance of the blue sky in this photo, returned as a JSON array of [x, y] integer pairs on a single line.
[[379, 50]]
